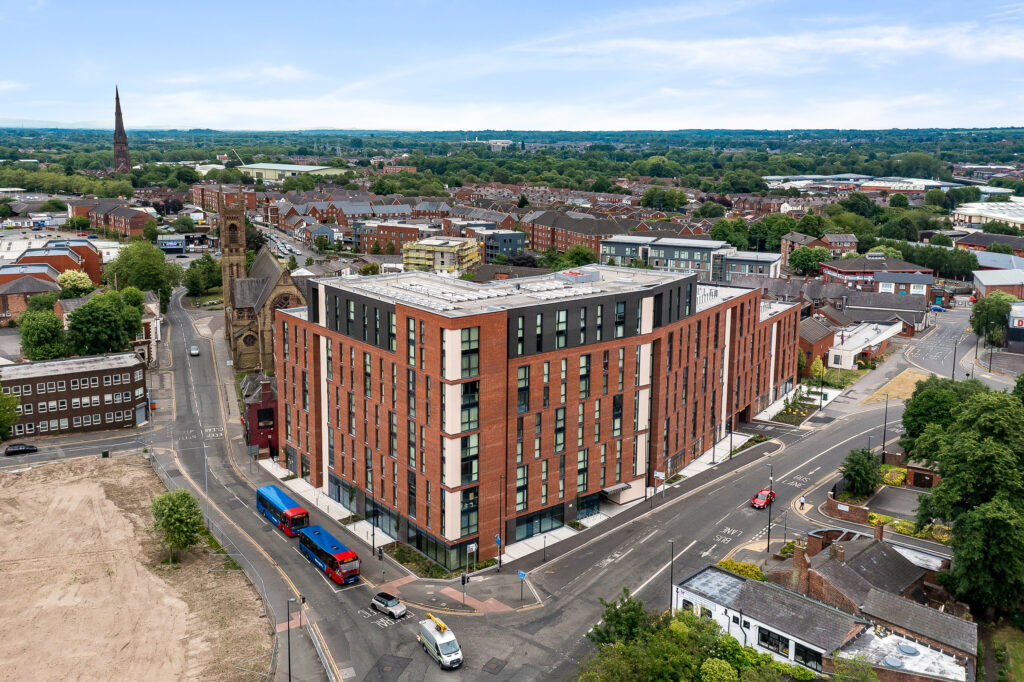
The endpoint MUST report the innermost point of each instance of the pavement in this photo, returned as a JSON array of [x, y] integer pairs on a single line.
[[510, 629], [900, 503]]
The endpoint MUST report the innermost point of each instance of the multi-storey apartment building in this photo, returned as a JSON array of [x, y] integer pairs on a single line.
[[451, 413], [711, 259]]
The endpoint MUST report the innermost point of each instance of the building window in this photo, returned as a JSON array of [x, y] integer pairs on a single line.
[[470, 352], [523, 384], [392, 332], [469, 459], [807, 657], [584, 377], [470, 413], [468, 513], [600, 322], [520, 335], [616, 415], [620, 319], [522, 488], [581, 471], [773, 641], [561, 324], [411, 500], [559, 429]]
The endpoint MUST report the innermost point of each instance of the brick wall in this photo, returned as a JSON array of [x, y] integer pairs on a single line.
[[852, 512]]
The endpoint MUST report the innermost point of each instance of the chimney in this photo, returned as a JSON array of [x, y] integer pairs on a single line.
[[879, 531], [798, 580], [837, 552]]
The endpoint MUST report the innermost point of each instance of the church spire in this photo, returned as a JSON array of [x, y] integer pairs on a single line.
[[122, 162]]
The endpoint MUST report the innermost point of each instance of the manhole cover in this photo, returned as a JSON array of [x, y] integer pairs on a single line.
[[388, 669], [495, 665]]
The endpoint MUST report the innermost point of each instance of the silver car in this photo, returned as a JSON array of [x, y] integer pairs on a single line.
[[389, 604]]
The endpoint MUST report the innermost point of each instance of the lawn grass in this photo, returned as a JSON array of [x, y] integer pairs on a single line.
[[900, 387], [1013, 639]]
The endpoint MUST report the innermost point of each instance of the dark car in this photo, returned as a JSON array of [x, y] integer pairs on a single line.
[[763, 498], [20, 449]]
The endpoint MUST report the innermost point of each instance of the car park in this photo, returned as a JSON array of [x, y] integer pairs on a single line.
[[763, 498], [20, 449], [389, 604]]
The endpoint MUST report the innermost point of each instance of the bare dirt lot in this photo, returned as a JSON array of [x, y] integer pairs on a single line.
[[900, 387], [86, 597]]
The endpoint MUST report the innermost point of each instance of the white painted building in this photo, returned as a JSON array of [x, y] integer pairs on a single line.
[[864, 337]]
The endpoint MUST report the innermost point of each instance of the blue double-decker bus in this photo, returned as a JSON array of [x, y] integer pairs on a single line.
[[327, 553], [282, 510]]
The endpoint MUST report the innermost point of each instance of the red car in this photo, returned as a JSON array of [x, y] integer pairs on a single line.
[[763, 498]]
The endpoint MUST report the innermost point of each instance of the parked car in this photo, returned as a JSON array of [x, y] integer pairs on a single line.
[[24, 449], [763, 498], [193, 351], [389, 604], [937, 309]]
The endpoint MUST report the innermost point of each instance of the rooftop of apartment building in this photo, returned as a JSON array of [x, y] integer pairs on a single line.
[[456, 297]]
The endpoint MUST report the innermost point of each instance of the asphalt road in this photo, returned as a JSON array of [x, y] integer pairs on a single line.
[[544, 642]]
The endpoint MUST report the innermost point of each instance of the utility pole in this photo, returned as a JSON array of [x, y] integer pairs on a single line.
[[885, 422], [771, 498]]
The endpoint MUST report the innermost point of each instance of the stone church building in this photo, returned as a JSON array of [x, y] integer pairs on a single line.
[[251, 298]]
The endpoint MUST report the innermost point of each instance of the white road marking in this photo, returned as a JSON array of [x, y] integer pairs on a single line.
[[658, 572], [649, 536]]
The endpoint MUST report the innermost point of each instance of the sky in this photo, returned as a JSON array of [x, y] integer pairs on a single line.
[[524, 65]]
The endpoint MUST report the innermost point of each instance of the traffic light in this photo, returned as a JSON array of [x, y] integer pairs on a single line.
[[380, 553], [465, 578]]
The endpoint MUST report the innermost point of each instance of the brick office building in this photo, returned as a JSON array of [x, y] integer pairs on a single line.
[[77, 394], [449, 412]]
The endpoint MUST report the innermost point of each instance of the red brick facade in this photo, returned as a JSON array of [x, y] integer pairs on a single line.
[[584, 422]]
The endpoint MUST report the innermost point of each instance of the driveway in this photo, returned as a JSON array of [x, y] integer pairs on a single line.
[[900, 503], [10, 344]]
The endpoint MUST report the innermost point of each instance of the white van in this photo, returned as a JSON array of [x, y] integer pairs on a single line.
[[440, 643]]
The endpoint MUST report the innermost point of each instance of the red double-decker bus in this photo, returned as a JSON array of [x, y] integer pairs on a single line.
[[281, 509], [325, 552]]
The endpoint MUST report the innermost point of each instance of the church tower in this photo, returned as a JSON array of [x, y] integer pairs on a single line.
[[231, 220], [122, 164]]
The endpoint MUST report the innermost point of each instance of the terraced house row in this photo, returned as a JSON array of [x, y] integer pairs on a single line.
[[450, 413]]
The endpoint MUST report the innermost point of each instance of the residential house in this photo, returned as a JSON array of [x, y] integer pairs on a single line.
[[816, 337], [859, 273], [15, 293]]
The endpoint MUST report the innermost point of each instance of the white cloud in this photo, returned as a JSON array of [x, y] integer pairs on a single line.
[[7, 86]]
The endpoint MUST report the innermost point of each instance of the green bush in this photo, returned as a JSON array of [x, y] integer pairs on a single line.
[[743, 568]]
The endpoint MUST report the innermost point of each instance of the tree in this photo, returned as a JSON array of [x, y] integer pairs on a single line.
[[767, 233], [53, 206], [812, 225], [143, 266], [77, 223], [988, 556], [939, 239], [717, 670], [623, 620], [255, 239], [732, 231], [301, 183], [817, 368], [42, 335], [807, 259], [389, 248], [999, 247], [103, 325], [382, 186], [935, 197], [183, 224], [1018, 386], [889, 251], [292, 263], [369, 269], [375, 247], [195, 283], [523, 260], [43, 301], [856, 669], [710, 209], [523, 201], [989, 317], [579, 255], [931, 406], [309, 260], [321, 243], [862, 472], [9, 414], [500, 259], [149, 231], [74, 283], [899, 201], [178, 519]]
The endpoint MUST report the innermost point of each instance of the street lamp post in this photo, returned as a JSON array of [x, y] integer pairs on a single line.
[[952, 370], [885, 421], [671, 571], [771, 495], [869, 442], [291, 600], [821, 387], [206, 483], [501, 494]]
